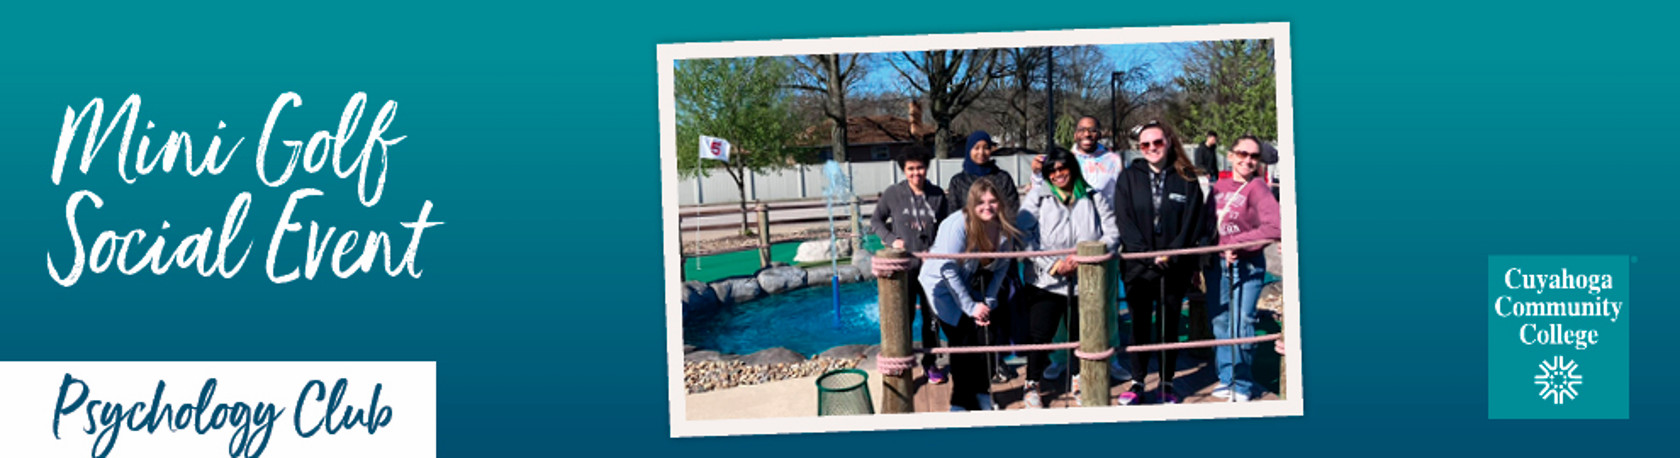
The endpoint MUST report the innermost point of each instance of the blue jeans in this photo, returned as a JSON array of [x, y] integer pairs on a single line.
[[1236, 368]]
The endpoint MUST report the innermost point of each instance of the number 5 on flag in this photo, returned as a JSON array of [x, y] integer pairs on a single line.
[[714, 148]]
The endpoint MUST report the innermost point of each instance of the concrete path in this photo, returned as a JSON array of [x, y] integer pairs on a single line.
[[1194, 380]]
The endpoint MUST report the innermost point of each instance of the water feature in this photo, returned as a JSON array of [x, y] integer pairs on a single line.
[[837, 189], [791, 320]]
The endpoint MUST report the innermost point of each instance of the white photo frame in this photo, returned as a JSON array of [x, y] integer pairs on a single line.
[[681, 426]]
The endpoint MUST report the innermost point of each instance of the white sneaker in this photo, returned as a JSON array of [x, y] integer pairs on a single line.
[[1075, 391], [1222, 392], [1240, 397], [1055, 370], [1032, 398]]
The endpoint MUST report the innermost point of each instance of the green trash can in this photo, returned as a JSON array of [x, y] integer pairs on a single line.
[[844, 392]]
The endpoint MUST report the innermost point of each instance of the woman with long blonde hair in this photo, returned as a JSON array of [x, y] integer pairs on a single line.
[[964, 292]]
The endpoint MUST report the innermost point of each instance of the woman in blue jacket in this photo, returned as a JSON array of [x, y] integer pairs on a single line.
[[964, 292]]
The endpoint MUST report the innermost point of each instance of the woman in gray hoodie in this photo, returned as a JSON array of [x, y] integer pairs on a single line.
[[1064, 212], [906, 218]]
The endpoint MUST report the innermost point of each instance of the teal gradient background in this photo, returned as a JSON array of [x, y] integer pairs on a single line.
[[1428, 136]]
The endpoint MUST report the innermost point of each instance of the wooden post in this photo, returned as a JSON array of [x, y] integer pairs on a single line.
[[857, 225], [763, 235], [895, 335], [1093, 325], [1283, 373]]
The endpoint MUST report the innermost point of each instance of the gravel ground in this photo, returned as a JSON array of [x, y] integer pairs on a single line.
[[703, 376]]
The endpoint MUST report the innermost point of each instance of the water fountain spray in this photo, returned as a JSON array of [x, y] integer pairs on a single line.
[[838, 189]]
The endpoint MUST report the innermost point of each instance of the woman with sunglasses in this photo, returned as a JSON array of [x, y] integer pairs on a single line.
[[1242, 210], [1159, 206], [964, 292], [1063, 212]]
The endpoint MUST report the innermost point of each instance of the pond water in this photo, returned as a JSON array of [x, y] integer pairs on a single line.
[[802, 321]]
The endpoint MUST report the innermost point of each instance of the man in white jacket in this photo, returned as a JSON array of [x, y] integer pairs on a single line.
[[1097, 163]]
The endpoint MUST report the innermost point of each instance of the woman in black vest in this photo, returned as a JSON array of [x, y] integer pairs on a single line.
[[1157, 203]]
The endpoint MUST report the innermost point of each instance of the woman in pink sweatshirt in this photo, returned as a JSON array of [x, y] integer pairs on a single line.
[[1242, 210]]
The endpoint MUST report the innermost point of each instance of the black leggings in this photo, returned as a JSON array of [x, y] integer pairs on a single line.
[[1145, 300], [930, 333], [968, 370], [1044, 312]]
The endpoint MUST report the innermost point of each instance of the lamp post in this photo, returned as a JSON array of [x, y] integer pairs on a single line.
[[1049, 99], [1114, 109]]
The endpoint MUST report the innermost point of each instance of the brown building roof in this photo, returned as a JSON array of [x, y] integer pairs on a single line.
[[864, 130]]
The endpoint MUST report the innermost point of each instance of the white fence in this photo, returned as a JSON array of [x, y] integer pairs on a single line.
[[807, 181]]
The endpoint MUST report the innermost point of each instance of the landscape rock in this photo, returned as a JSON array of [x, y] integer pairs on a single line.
[[779, 279], [854, 274], [708, 355], [845, 352], [699, 300], [1271, 298], [773, 356], [818, 250], [862, 258], [736, 290]]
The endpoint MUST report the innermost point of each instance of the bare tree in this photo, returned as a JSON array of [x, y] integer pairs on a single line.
[[950, 80], [832, 77], [1020, 68]]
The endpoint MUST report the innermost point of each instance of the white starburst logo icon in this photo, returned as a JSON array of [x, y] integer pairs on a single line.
[[1557, 379]]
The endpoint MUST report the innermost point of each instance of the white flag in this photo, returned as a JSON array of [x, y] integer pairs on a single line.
[[714, 148]]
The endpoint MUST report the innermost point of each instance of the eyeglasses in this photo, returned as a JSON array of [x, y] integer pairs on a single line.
[[1158, 143], [1245, 154], [1089, 130]]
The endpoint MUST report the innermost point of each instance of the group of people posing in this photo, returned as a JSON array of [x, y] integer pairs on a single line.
[[1080, 194]]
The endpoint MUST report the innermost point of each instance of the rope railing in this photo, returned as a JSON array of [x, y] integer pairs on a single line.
[[1202, 343], [896, 366], [1100, 355], [883, 266], [1095, 282]]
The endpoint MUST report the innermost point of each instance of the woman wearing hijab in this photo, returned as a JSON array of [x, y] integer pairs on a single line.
[[978, 165]]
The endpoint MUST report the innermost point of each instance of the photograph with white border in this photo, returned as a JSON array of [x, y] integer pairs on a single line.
[[846, 220]]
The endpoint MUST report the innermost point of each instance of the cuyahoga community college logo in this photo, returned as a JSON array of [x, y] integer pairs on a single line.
[[1558, 379]]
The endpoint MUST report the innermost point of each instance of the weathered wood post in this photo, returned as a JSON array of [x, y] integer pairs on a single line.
[[1094, 309], [763, 235], [857, 225], [1283, 362], [1283, 372], [895, 335]]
